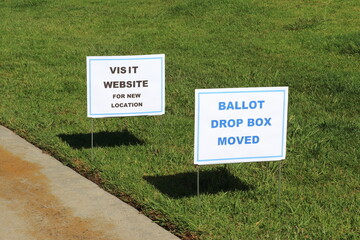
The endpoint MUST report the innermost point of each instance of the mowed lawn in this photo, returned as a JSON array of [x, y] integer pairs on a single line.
[[311, 46]]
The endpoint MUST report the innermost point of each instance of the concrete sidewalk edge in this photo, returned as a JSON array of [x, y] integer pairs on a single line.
[[84, 197]]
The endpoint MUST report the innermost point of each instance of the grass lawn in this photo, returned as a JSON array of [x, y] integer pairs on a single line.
[[311, 46]]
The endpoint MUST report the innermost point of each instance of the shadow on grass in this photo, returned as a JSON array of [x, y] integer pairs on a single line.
[[101, 139], [185, 184]]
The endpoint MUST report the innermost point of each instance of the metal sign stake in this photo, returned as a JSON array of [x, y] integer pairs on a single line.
[[198, 180], [279, 187], [92, 140]]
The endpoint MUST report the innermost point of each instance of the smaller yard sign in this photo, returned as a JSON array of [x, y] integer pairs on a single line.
[[240, 125], [125, 86]]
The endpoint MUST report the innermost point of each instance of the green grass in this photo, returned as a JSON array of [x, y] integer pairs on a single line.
[[312, 46]]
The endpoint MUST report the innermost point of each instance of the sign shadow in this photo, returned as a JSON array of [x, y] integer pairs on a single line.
[[101, 139], [185, 184]]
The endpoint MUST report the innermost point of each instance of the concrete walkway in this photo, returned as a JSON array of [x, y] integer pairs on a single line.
[[41, 199]]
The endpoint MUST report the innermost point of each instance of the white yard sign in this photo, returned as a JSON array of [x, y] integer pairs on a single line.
[[240, 125], [125, 86]]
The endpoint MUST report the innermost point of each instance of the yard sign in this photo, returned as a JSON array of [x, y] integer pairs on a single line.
[[240, 125], [125, 86]]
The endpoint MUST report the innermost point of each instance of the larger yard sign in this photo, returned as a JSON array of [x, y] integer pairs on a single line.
[[240, 125], [125, 86]]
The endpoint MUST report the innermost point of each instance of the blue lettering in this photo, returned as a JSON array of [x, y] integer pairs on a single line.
[[261, 103], [222, 141], [252, 104], [214, 123], [238, 140], [230, 106], [251, 122], [222, 123], [243, 105], [267, 122], [222, 106], [237, 105], [231, 140], [259, 122], [231, 123]]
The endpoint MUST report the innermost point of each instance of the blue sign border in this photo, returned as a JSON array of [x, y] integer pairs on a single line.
[[282, 155], [127, 59]]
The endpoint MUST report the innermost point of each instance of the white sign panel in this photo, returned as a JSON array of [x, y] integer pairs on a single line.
[[240, 125], [125, 86]]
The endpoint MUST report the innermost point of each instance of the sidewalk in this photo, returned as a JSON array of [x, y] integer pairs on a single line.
[[41, 199]]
